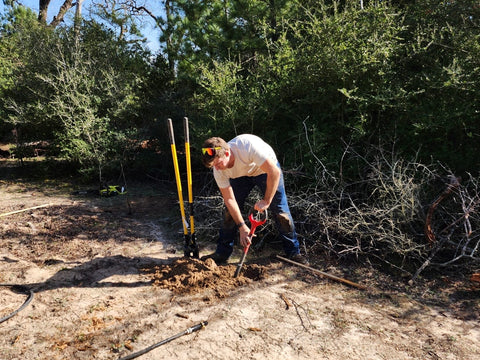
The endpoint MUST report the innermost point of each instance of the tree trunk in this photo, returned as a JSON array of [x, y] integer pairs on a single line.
[[43, 10], [78, 18]]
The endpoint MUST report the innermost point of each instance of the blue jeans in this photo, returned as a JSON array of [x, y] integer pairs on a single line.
[[278, 208]]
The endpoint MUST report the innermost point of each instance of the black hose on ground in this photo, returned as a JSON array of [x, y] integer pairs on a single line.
[[20, 289], [150, 348]]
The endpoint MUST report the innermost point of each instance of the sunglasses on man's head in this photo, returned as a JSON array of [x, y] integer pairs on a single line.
[[210, 151]]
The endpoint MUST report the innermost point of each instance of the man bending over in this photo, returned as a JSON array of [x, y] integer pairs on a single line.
[[238, 166]]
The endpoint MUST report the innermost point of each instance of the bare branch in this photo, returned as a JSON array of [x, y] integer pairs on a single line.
[[67, 5]]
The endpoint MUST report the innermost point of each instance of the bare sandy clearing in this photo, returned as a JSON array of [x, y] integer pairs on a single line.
[[108, 284]]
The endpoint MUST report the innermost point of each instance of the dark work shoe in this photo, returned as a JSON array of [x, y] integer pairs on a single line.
[[219, 259], [299, 258]]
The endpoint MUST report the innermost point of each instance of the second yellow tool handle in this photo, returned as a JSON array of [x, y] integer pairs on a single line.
[[189, 173], [177, 175]]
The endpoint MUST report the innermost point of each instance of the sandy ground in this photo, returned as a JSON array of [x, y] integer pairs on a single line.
[[107, 284]]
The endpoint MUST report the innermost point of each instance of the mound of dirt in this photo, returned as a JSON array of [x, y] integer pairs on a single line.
[[193, 276]]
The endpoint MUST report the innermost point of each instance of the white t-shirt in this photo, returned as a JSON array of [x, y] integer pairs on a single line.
[[250, 153]]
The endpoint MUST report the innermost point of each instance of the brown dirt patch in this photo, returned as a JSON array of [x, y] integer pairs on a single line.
[[192, 276]]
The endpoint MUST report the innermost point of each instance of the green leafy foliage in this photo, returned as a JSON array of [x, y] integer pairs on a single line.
[[19, 49], [83, 96], [307, 74], [334, 72], [440, 67]]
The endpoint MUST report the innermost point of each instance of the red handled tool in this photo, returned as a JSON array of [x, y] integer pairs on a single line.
[[259, 219]]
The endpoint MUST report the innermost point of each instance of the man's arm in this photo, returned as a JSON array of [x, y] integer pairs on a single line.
[[234, 210], [273, 178]]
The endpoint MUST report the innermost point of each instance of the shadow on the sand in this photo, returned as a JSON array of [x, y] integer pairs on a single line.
[[96, 272]]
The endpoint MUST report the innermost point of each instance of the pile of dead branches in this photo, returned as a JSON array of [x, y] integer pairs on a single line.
[[403, 214]]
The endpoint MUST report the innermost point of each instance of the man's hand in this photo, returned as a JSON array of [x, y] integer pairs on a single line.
[[245, 240], [261, 205]]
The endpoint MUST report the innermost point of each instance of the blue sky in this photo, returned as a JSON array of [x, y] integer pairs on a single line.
[[149, 30]]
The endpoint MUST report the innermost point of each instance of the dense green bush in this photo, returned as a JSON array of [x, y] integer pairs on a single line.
[[345, 74], [307, 74]]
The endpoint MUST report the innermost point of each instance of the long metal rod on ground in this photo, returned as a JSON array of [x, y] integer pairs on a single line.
[[24, 305], [150, 348], [19, 211], [333, 277]]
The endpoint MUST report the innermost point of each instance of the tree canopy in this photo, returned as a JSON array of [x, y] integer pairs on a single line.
[[316, 75]]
